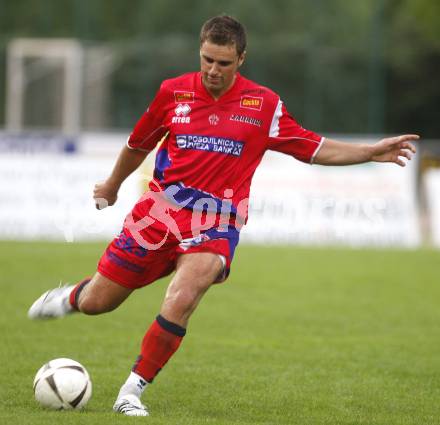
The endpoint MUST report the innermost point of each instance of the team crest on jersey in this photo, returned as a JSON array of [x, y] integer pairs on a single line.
[[182, 111], [251, 102], [213, 119], [183, 96]]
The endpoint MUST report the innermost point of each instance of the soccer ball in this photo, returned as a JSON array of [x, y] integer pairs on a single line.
[[62, 384]]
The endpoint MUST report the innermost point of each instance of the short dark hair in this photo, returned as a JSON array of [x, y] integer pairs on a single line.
[[224, 30]]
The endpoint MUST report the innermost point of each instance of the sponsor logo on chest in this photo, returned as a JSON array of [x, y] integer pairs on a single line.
[[209, 144], [181, 96], [245, 119], [251, 102], [181, 111]]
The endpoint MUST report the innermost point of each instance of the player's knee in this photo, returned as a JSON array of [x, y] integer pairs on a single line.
[[185, 300]]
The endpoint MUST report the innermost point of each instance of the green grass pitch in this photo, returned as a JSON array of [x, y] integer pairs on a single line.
[[296, 336]]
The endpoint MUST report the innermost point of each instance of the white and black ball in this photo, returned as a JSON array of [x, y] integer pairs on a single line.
[[62, 384]]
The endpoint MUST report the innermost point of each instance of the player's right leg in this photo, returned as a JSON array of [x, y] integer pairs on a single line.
[[91, 296]]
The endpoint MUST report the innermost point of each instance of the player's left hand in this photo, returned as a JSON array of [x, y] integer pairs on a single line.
[[394, 149]]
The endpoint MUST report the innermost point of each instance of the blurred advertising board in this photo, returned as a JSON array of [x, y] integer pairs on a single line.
[[432, 190], [47, 185], [361, 205]]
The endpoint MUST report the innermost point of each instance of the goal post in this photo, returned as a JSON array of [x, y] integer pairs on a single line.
[[31, 59]]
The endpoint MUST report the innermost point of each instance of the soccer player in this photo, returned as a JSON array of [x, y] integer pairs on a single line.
[[215, 125]]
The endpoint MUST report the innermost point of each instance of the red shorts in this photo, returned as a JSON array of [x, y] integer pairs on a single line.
[[155, 233]]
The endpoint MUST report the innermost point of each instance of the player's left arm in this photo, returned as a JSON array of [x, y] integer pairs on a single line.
[[392, 149]]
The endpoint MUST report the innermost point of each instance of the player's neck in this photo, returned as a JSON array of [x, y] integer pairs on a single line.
[[217, 94]]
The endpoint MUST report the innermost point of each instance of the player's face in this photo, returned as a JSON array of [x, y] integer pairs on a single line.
[[219, 65]]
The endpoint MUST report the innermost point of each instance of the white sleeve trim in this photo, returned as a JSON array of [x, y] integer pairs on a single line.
[[275, 125], [136, 149], [312, 159]]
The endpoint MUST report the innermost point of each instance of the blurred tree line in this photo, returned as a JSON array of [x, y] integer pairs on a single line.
[[364, 66]]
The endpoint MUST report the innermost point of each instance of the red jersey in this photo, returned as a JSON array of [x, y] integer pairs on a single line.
[[212, 147]]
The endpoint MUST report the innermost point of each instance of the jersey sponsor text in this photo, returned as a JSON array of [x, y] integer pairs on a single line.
[[251, 102], [246, 120], [210, 144], [183, 96]]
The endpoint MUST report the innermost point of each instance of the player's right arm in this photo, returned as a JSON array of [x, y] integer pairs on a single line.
[[106, 193], [147, 132]]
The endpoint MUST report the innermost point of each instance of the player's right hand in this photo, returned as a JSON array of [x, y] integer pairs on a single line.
[[104, 194]]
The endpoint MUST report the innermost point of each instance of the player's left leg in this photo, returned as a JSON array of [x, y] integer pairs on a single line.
[[123, 267], [195, 273], [98, 296], [90, 296]]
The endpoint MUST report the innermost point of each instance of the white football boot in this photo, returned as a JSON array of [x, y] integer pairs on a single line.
[[130, 405], [52, 304]]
